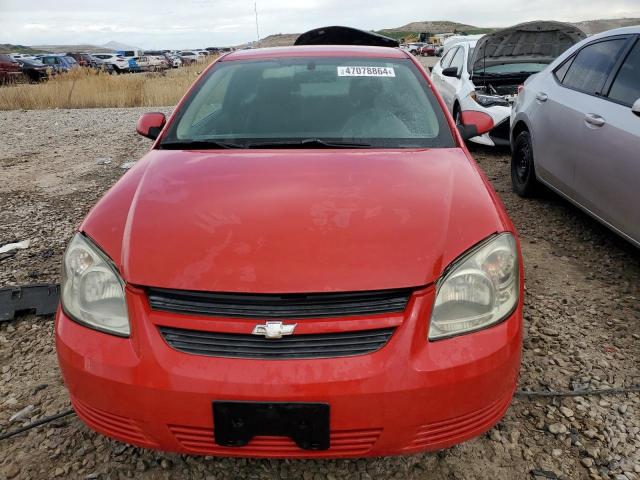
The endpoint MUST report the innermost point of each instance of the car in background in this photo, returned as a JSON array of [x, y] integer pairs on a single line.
[[111, 61], [192, 55], [484, 75], [575, 128], [174, 61], [58, 63], [20, 56], [35, 70], [83, 59], [428, 50], [336, 277], [149, 63], [10, 70], [412, 48], [188, 57], [133, 65]]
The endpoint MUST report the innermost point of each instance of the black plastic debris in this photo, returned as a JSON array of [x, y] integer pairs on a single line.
[[337, 35], [40, 299]]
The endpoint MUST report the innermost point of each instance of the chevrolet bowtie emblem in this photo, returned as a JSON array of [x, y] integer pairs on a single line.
[[273, 330]]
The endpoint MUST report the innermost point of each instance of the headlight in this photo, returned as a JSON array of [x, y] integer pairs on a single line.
[[479, 290], [92, 290], [489, 100]]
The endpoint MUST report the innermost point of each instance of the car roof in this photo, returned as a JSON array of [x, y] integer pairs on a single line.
[[317, 51], [635, 29]]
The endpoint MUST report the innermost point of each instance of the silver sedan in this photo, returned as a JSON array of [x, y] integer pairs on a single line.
[[575, 127]]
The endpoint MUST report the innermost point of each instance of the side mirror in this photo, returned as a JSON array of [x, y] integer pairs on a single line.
[[474, 123], [451, 72], [636, 107], [150, 124]]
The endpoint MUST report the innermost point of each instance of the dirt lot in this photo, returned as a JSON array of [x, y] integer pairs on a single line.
[[582, 321]]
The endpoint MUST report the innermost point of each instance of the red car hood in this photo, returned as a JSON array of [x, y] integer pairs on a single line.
[[294, 220]]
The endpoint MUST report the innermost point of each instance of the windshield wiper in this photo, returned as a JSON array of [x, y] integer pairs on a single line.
[[308, 143], [199, 145]]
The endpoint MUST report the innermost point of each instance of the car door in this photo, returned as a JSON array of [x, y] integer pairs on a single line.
[[608, 159], [450, 85], [436, 74], [562, 101]]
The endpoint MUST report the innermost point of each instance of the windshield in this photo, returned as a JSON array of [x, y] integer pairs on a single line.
[[371, 102], [509, 68]]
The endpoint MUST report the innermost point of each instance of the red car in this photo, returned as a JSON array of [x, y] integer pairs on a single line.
[[428, 51], [307, 263], [10, 70]]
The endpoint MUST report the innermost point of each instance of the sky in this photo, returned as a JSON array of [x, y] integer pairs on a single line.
[[180, 24]]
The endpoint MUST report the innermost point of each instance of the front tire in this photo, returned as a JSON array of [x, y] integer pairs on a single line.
[[523, 172]]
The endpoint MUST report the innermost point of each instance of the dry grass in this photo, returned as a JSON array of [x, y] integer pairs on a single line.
[[85, 88]]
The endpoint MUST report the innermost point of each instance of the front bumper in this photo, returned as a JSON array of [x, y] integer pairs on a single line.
[[410, 396], [499, 134]]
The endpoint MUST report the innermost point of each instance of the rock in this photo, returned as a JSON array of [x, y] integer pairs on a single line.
[[557, 428], [587, 462], [590, 433], [58, 472], [567, 412], [556, 452], [165, 463], [11, 470], [127, 165], [103, 161]]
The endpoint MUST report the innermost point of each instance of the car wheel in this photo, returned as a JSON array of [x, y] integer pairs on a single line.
[[523, 172]]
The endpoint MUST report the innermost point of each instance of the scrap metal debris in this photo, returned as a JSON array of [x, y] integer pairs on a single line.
[[39, 299], [15, 246], [22, 413]]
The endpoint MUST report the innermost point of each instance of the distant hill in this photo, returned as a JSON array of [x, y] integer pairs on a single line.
[[70, 48], [437, 26], [107, 47], [406, 32], [113, 45], [279, 40], [9, 48], [591, 27]]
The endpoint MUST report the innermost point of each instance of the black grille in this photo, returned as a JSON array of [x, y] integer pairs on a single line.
[[235, 345], [264, 306]]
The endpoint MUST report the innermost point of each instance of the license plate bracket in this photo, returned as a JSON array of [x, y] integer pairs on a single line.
[[236, 423]]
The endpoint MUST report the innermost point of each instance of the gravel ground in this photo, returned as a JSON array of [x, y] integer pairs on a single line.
[[582, 321]]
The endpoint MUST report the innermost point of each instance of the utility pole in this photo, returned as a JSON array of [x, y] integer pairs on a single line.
[[255, 7]]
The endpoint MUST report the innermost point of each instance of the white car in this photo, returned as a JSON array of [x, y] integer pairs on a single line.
[[484, 75], [192, 55], [174, 61], [412, 48], [117, 62], [150, 63]]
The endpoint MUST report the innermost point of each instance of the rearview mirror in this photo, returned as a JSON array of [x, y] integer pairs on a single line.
[[636, 107], [473, 124], [150, 124], [451, 72]]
